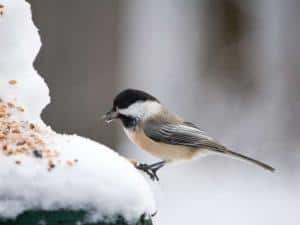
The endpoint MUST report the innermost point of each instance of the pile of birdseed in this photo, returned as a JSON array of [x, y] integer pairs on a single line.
[[24, 138]]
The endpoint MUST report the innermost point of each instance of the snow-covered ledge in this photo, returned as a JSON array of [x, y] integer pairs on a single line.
[[40, 169]]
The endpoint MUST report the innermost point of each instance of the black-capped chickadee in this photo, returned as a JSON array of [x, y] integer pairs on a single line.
[[165, 135]]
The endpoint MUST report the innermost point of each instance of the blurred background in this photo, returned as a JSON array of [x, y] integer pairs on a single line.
[[232, 67]]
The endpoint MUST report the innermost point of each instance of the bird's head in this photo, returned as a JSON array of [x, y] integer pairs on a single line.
[[133, 106]]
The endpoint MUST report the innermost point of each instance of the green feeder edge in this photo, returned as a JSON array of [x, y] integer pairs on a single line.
[[64, 217]]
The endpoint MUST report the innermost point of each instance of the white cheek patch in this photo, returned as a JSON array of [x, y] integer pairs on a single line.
[[142, 109]]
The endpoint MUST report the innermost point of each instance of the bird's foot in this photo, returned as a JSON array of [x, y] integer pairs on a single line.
[[151, 169]]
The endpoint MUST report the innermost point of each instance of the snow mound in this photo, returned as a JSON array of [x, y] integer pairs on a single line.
[[40, 169]]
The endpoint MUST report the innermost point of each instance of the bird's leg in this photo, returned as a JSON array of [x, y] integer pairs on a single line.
[[137, 165], [151, 169]]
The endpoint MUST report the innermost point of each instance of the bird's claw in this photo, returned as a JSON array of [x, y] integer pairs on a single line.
[[151, 170]]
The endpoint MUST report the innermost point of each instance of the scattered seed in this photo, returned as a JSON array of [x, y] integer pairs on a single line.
[[1, 10], [9, 152], [12, 82], [10, 105], [4, 147], [21, 109], [21, 143], [51, 165], [2, 114], [15, 131], [69, 163], [18, 162], [37, 154]]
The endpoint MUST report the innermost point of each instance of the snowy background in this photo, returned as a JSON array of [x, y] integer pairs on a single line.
[[232, 67]]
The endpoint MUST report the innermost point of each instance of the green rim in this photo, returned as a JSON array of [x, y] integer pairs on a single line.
[[65, 217]]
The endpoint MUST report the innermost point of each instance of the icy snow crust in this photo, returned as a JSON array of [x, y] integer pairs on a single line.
[[84, 174]]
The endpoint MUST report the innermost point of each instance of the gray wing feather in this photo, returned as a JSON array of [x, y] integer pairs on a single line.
[[186, 134]]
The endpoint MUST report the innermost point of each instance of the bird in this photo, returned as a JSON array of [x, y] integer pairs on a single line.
[[164, 134]]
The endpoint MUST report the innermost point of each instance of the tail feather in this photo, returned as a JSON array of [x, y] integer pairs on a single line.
[[221, 149], [249, 159]]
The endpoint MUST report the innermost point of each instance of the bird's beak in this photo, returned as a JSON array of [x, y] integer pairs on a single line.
[[110, 116]]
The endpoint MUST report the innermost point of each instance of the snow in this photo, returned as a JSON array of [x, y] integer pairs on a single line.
[[39, 168]]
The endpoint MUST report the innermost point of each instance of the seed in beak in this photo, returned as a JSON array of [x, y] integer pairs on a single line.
[[110, 116]]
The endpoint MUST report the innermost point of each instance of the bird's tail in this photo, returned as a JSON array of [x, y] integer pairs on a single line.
[[246, 158], [221, 149]]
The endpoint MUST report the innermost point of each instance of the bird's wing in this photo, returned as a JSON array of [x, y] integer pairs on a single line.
[[186, 134]]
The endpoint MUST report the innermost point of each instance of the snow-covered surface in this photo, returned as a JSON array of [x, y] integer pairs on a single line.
[[40, 168]]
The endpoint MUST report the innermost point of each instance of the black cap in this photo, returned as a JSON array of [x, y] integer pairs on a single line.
[[130, 96]]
